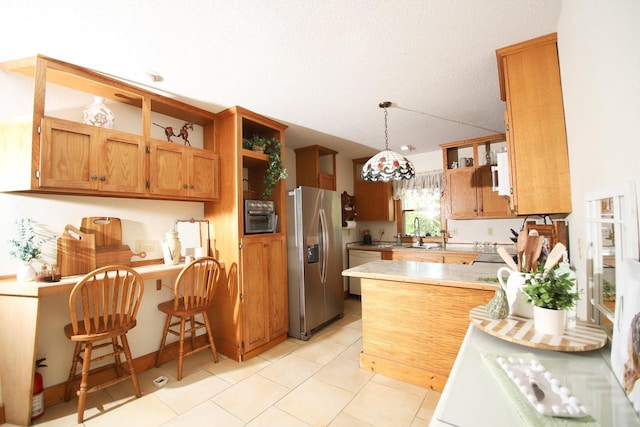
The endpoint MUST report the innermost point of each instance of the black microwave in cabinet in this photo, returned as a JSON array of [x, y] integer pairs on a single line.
[[259, 217]]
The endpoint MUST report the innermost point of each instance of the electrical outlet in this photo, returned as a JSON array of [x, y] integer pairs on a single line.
[[490, 231], [453, 231], [145, 245]]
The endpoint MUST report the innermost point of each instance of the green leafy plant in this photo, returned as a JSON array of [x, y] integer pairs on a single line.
[[255, 141], [275, 170], [26, 246], [550, 290]]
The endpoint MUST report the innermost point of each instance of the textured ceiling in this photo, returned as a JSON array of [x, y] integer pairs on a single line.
[[322, 67]]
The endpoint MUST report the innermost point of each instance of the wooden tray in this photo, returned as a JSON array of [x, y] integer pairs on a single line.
[[520, 330]]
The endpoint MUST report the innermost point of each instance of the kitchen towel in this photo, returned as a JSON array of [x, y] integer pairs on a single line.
[[527, 413]]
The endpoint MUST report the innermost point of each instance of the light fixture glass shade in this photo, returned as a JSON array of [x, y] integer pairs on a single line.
[[387, 166]]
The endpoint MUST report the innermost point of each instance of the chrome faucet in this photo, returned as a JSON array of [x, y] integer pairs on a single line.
[[416, 230]]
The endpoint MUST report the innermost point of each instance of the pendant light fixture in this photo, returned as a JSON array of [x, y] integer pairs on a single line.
[[387, 165]]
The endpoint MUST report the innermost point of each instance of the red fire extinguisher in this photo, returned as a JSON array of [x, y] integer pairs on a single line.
[[37, 403]]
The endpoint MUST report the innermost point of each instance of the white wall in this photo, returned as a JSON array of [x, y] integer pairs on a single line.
[[600, 68]]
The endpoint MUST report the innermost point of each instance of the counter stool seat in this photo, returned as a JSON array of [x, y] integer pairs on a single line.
[[194, 290], [103, 306]]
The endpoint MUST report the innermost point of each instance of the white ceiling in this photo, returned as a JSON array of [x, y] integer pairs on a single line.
[[322, 67]]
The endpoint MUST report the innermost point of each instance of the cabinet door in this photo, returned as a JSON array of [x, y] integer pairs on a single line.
[[326, 181], [460, 258], [67, 156], [537, 143], [122, 163], [167, 169], [491, 204], [461, 193], [374, 200], [279, 291], [255, 292], [203, 176], [422, 255]]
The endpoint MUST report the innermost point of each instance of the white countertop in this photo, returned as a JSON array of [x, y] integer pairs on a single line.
[[459, 275], [473, 397]]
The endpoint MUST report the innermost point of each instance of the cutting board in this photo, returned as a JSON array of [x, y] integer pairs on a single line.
[[76, 252], [108, 230]]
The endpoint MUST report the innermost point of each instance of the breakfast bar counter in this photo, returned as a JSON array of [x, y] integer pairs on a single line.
[[19, 314], [415, 316]]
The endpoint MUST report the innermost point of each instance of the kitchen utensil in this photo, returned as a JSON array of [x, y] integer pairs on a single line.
[[507, 258], [76, 251], [554, 256], [108, 230], [536, 253], [529, 251], [520, 247]]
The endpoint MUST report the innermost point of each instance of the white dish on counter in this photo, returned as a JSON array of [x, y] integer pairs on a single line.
[[557, 400]]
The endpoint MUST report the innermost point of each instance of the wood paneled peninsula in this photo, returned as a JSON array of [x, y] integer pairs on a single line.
[[415, 316]]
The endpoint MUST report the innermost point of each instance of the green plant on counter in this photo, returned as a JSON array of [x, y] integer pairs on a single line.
[[26, 246], [550, 290]]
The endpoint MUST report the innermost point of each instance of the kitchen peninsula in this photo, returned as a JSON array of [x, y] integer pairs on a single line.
[[415, 316]]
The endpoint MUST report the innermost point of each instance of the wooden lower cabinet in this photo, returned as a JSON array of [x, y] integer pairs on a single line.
[[265, 292], [429, 255], [250, 313]]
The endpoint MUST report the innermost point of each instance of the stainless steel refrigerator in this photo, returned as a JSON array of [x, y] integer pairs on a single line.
[[314, 257]]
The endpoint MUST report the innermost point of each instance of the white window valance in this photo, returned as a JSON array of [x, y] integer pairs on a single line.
[[430, 182]]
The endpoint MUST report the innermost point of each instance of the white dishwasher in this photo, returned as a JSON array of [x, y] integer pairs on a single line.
[[356, 258]]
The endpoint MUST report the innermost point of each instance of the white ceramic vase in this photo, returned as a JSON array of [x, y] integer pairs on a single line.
[[97, 114], [547, 321], [171, 248], [513, 288], [25, 272]]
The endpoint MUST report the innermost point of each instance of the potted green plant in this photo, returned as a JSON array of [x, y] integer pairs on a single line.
[[551, 293], [26, 247], [255, 143]]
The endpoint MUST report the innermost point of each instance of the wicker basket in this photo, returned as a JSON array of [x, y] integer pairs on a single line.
[[249, 194]]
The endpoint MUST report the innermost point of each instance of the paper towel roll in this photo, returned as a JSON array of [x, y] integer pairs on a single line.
[[350, 225]]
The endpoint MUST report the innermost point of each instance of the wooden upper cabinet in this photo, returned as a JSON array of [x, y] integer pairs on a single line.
[[80, 157], [46, 147], [184, 172], [316, 167], [469, 179], [374, 199], [530, 84]]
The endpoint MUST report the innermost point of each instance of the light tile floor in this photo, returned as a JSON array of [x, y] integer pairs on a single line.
[[297, 383]]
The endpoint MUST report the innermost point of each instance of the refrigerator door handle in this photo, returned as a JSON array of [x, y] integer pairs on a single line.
[[325, 242]]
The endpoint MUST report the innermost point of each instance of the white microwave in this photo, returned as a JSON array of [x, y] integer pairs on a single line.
[[500, 175]]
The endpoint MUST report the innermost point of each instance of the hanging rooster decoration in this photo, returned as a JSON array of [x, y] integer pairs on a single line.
[[184, 132]]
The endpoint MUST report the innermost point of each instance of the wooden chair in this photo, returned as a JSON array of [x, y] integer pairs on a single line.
[[193, 294], [103, 306]]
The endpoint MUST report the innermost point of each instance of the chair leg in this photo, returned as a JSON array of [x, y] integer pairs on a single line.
[[181, 348], [116, 355], [132, 371], [212, 344], [72, 372], [82, 393], [192, 321], [165, 332]]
